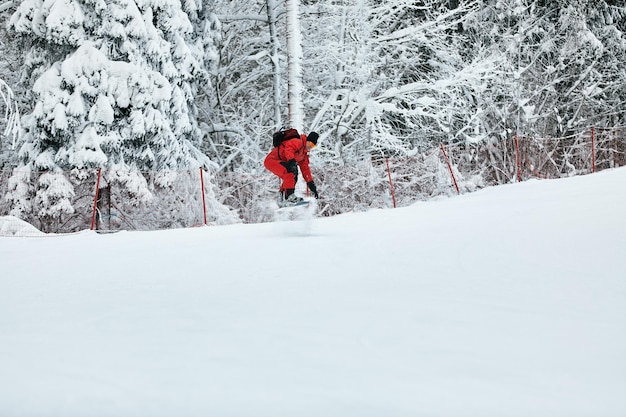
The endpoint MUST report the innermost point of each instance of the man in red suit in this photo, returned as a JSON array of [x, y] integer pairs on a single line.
[[284, 159]]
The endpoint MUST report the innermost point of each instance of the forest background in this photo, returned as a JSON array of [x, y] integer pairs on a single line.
[[148, 90]]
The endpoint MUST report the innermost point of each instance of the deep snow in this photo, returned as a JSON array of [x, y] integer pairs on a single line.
[[510, 301]]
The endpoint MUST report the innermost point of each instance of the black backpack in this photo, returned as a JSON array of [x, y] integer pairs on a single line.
[[283, 135]]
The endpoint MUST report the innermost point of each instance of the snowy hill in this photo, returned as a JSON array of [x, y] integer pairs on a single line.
[[510, 301]]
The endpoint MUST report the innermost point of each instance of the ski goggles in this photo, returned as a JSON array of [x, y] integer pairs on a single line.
[[311, 144]]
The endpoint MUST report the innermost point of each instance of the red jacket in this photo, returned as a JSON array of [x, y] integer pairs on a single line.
[[294, 149]]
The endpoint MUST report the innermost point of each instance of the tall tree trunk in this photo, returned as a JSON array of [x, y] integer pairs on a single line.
[[294, 66], [272, 18], [11, 112]]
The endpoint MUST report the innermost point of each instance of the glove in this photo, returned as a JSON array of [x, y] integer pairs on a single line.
[[291, 166], [313, 189]]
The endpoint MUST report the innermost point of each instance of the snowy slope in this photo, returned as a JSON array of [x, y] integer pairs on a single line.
[[510, 301]]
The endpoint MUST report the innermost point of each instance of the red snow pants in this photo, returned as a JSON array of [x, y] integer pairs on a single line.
[[273, 164]]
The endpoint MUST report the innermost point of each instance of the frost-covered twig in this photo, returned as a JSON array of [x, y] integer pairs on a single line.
[[6, 5]]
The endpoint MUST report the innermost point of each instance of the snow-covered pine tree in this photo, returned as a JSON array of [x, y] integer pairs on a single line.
[[115, 90]]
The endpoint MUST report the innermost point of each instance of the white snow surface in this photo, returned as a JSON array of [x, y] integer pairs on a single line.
[[12, 226], [510, 301]]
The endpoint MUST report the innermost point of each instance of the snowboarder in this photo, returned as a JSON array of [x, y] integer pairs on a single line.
[[291, 150]]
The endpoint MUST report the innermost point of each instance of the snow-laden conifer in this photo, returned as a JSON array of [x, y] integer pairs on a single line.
[[115, 90]]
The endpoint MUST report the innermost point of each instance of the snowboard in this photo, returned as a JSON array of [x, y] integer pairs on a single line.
[[300, 205]]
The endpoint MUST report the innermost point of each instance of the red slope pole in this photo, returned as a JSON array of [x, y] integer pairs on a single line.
[[95, 200], [393, 193], [593, 149], [203, 196], [518, 162], [445, 155]]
